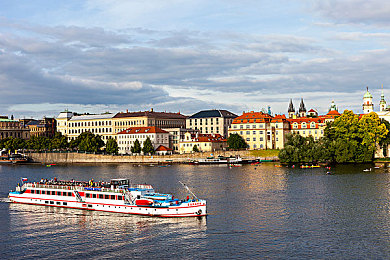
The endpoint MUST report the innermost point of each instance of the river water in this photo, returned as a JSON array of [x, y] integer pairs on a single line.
[[255, 212]]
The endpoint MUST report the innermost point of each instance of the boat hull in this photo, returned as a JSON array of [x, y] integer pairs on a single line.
[[187, 209]]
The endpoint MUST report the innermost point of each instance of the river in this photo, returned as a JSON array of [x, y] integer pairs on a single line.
[[255, 212]]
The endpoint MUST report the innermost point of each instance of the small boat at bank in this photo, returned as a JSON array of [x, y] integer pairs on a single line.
[[117, 196], [13, 159], [227, 160]]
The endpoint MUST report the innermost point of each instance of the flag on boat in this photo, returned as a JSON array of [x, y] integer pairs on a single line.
[[24, 179]]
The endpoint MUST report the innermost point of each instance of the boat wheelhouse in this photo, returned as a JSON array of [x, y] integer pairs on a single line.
[[118, 196]]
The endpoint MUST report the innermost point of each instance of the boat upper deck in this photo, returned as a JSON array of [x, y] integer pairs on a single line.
[[113, 186]]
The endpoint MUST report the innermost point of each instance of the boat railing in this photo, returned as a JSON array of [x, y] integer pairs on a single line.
[[69, 187]]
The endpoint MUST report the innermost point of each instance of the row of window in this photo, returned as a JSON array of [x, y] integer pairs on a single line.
[[205, 120], [93, 123], [69, 194], [249, 126], [106, 197], [52, 192], [93, 130]]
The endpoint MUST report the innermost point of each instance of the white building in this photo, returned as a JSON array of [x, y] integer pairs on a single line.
[[126, 138], [72, 126]]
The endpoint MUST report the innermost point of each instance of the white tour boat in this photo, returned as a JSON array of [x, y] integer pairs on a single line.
[[116, 196]]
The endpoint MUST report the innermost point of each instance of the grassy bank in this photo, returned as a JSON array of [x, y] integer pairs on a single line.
[[264, 153]]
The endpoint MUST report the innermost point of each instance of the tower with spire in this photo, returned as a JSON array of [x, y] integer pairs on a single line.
[[291, 110], [382, 103], [302, 109], [368, 106]]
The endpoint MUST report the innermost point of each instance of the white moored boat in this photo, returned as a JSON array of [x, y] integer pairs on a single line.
[[116, 196]]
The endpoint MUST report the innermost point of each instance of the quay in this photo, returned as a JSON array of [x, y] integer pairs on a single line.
[[68, 157]]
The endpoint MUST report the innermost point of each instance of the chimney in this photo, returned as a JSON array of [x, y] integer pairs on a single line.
[[151, 110]]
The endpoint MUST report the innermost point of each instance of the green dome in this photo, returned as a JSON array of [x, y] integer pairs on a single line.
[[367, 95]]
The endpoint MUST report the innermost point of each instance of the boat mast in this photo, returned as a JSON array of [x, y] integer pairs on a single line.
[[185, 186]]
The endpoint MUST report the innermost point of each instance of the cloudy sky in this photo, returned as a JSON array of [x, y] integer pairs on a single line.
[[176, 55]]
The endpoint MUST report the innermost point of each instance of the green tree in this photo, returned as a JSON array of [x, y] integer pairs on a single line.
[[235, 141], [59, 142], [38, 143], [13, 144], [195, 149], [136, 148], [148, 147], [112, 146], [88, 142]]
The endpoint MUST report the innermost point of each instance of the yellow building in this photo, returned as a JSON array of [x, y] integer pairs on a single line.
[[203, 142], [260, 130]]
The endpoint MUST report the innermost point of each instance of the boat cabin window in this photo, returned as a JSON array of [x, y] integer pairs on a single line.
[[100, 196], [106, 197], [59, 193], [43, 192], [94, 196], [120, 182], [70, 194], [87, 195], [120, 197], [112, 197], [138, 196]]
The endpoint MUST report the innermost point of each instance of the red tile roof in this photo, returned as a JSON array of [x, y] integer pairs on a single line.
[[252, 117], [143, 130], [333, 113], [163, 148], [206, 138]]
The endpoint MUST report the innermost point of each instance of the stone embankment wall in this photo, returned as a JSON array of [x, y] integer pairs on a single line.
[[99, 158]]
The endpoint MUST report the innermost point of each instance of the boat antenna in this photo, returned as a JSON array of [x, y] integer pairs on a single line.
[[185, 186]]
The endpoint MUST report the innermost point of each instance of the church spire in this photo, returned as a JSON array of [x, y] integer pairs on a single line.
[[291, 107], [302, 109]]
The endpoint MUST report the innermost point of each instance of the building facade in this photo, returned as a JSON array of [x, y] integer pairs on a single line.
[[260, 130], [176, 135], [13, 128], [211, 122], [203, 143], [157, 136], [46, 127], [72, 125], [123, 121]]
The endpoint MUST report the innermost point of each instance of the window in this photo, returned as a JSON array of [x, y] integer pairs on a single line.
[[112, 197], [51, 202], [261, 139], [94, 196], [254, 132], [120, 197], [70, 194], [87, 195], [248, 132], [65, 203], [248, 139], [106, 197], [254, 139], [100, 196]]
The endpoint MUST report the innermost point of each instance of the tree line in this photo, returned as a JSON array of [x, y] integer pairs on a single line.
[[348, 139], [86, 141]]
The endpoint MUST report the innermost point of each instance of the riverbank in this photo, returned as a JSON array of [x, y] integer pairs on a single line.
[[47, 158]]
